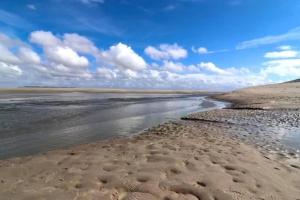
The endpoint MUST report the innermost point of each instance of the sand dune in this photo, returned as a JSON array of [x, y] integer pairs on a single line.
[[276, 96]]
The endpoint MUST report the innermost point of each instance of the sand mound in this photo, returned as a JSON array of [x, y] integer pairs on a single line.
[[277, 96]]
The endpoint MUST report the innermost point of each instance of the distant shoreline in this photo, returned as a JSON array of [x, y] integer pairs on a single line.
[[101, 90]]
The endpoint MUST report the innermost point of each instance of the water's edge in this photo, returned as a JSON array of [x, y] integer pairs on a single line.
[[78, 135]]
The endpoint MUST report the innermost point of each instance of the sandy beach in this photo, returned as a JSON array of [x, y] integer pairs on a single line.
[[215, 155], [276, 96]]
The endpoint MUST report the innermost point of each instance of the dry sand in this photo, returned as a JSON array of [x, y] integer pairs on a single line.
[[276, 96], [199, 158]]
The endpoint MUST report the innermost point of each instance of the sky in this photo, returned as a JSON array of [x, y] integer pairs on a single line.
[[151, 44]]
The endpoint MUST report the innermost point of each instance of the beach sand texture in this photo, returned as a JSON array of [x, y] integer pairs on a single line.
[[276, 96], [189, 159]]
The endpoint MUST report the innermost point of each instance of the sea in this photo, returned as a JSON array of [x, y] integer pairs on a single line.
[[32, 123]]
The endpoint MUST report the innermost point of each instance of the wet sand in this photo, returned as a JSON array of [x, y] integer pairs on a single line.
[[214, 155]]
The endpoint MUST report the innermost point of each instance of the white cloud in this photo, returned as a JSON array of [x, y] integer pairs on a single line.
[[66, 60], [8, 70], [62, 53], [211, 67], [44, 38], [164, 78], [28, 56], [284, 47], [174, 67], [204, 50], [282, 68], [106, 73], [10, 42], [61, 61], [123, 57], [154, 74], [193, 68], [166, 52], [281, 54], [66, 56], [61, 67], [284, 63], [293, 34], [80, 43], [201, 50], [7, 56], [130, 73]]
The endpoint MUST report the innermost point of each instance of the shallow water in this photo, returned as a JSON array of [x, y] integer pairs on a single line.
[[33, 123], [276, 131]]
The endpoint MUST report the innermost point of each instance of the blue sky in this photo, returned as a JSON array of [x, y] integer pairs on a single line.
[[179, 44]]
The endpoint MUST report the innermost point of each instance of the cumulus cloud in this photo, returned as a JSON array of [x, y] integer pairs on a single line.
[[9, 71], [10, 42], [62, 53], [166, 52], [59, 60], [282, 68], [44, 38], [284, 63], [106, 73], [80, 43], [66, 56], [172, 66], [27, 55], [124, 57], [74, 60], [201, 50], [7, 56], [211, 67], [166, 79]]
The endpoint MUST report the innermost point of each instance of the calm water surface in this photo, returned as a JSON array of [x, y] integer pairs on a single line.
[[33, 123]]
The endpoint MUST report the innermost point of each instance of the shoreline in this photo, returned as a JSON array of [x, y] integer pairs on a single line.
[[204, 156], [29, 145], [101, 90]]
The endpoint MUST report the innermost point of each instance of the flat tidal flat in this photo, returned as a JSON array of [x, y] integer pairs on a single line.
[[33, 123], [216, 155]]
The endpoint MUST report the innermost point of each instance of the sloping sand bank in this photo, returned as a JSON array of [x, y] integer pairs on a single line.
[[199, 158], [276, 96]]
